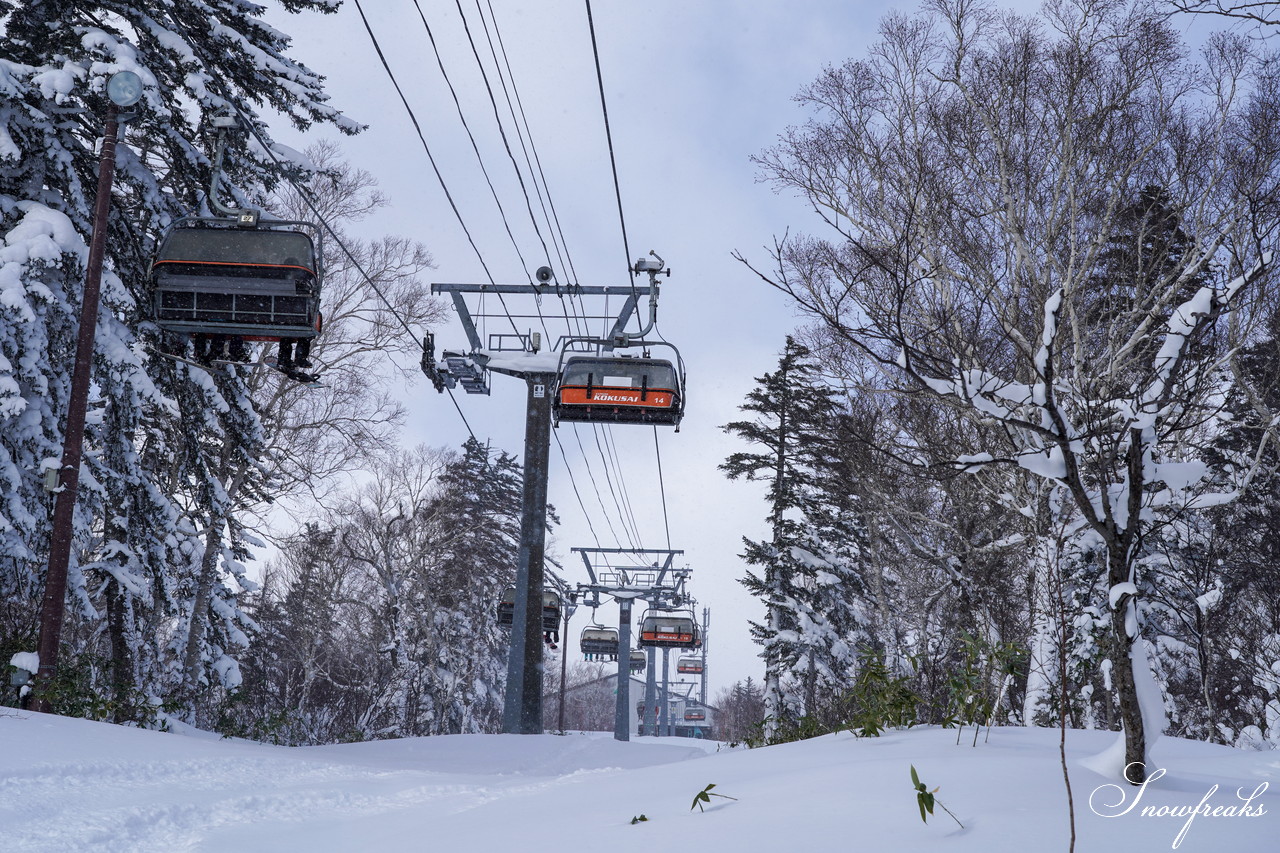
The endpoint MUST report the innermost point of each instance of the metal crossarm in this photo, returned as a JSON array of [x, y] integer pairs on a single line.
[[468, 318]]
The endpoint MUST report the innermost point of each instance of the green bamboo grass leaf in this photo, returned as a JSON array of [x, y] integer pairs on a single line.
[[925, 799], [705, 795]]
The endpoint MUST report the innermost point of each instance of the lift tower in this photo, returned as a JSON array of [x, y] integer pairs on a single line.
[[625, 583], [519, 355]]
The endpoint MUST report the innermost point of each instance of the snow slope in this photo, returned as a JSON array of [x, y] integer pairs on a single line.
[[74, 785]]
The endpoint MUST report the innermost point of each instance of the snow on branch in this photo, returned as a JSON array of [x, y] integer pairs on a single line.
[[1203, 305]]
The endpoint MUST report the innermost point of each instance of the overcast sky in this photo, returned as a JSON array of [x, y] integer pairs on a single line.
[[694, 88]]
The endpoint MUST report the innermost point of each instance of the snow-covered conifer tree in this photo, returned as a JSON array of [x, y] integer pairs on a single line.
[[798, 575], [141, 522], [382, 620], [477, 523]]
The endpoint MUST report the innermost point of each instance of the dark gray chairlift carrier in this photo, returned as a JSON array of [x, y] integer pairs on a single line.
[[600, 643], [550, 609], [214, 278]]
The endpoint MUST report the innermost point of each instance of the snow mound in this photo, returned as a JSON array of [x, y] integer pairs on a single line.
[[76, 785], [524, 755]]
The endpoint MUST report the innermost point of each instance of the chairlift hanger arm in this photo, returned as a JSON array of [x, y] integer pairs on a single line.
[[244, 216], [653, 269]]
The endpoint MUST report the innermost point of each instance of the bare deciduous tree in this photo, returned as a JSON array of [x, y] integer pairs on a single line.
[[1264, 12], [590, 703], [1052, 227], [374, 303]]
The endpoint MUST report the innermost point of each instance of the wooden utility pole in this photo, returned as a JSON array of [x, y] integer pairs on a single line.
[[124, 89]]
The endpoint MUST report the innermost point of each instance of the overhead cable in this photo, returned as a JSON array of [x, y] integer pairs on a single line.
[[418, 127], [474, 147], [666, 521], [608, 133], [573, 482]]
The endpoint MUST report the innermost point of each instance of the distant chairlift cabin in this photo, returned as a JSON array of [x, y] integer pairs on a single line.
[[600, 643], [689, 666]]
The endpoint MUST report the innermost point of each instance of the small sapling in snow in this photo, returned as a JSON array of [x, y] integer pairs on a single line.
[[638, 819], [705, 795], [926, 800]]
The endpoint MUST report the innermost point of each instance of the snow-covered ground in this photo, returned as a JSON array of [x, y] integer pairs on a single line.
[[74, 785]]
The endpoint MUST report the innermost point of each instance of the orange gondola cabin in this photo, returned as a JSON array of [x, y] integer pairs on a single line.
[[619, 390], [663, 629], [689, 666]]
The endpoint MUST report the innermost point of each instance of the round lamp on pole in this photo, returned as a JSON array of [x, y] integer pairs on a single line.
[[124, 88]]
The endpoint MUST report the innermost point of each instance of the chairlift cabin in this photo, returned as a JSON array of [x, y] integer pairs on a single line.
[[619, 389], [638, 662], [259, 283], [600, 643], [550, 609], [667, 629], [695, 714], [689, 666], [507, 607]]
